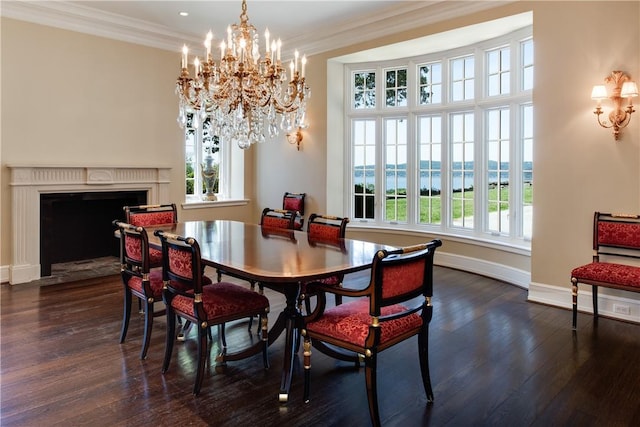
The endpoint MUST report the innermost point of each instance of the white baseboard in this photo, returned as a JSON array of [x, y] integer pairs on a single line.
[[17, 274], [561, 297], [4, 274], [496, 271]]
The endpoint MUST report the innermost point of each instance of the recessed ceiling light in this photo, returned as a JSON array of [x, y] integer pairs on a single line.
[[184, 13]]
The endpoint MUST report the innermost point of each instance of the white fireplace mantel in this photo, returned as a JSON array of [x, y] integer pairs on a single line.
[[28, 182]]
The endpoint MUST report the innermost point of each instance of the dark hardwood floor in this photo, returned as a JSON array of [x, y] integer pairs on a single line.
[[495, 360]]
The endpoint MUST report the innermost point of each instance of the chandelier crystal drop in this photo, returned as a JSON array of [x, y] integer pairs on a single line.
[[246, 96]]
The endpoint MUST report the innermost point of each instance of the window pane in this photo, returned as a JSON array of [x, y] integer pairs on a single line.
[[527, 170], [364, 89], [499, 79], [462, 78], [527, 64], [364, 164], [430, 148], [430, 83], [396, 88], [395, 143], [462, 170], [498, 170]]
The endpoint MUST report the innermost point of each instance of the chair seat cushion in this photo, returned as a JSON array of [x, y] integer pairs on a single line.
[[617, 274], [223, 299], [155, 280], [350, 322], [156, 283]]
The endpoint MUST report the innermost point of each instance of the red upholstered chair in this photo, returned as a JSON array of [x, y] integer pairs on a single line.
[[616, 252], [148, 215], [397, 306], [324, 230], [138, 279], [277, 218], [185, 296], [295, 202]]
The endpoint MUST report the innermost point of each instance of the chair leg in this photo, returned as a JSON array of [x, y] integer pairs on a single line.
[[370, 367], [423, 353], [171, 333], [339, 298], [202, 357], [574, 296], [148, 326], [595, 302], [264, 322], [307, 367], [222, 335], [184, 330], [126, 315]]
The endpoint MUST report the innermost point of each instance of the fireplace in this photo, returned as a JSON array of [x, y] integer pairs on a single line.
[[37, 190], [77, 226]]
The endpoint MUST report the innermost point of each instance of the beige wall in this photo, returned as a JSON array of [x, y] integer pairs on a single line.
[[579, 168], [75, 99]]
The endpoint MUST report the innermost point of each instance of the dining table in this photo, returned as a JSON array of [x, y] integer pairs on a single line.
[[279, 259]]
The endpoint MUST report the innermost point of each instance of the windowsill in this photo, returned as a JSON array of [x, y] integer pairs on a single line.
[[520, 247], [201, 204]]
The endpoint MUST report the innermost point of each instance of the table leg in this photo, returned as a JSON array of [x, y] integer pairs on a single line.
[[288, 321]]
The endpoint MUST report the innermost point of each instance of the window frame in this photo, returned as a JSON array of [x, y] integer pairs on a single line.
[[516, 100]]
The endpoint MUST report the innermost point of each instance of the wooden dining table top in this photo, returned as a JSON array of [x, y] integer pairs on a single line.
[[271, 255]]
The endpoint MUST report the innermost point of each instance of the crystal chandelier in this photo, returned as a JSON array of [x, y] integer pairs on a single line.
[[246, 96]]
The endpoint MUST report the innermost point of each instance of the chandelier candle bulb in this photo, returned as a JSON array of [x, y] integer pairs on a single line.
[[304, 62], [279, 45], [207, 44], [185, 52]]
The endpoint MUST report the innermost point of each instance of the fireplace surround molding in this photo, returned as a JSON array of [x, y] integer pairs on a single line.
[[28, 182]]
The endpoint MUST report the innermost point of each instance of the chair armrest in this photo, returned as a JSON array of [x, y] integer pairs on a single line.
[[347, 292]]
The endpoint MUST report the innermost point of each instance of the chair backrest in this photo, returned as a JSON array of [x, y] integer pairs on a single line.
[[294, 202], [326, 227], [616, 234], [277, 218], [147, 215], [134, 247], [181, 263], [401, 275]]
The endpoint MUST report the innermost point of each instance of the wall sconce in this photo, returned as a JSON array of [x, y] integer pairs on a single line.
[[295, 138], [623, 87]]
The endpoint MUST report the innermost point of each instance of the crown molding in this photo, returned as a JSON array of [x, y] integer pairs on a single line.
[[401, 17], [409, 16], [73, 17]]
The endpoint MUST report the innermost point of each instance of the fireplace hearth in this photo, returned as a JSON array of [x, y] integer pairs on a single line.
[[77, 226]]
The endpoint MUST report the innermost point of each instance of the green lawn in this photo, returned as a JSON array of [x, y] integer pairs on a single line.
[[458, 202]]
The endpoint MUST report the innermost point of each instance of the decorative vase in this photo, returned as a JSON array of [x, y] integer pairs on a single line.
[[210, 178]]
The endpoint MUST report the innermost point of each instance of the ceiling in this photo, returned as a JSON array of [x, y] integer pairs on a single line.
[[312, 26]]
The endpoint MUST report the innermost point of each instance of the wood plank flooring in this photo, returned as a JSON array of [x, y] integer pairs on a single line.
[[495, 359]]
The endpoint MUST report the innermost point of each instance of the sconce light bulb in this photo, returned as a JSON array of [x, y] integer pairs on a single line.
[[629, 90], [599, 92]]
